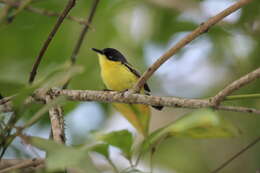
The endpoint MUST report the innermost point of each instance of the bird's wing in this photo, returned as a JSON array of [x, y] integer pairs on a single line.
[[146, 87]]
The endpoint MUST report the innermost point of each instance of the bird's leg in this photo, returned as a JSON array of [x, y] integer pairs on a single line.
[[123, 91]]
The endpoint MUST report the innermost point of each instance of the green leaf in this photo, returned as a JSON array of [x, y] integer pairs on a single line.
[[36, 117], [60, 75], [102, 149], [57, 77], [122, 139], [203, 123], [22, 95], [9, 87], [60, 156]]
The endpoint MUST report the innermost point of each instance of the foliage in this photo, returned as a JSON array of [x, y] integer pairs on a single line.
[[203, 123], [60, 157], [121, 139]]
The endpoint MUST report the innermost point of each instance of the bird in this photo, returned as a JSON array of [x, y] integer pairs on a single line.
[[119, 75]]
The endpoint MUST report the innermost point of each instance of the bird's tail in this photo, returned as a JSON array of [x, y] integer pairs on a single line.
[[158, 107]]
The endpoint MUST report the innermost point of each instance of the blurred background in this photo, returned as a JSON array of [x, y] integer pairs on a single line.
[[142, 31]]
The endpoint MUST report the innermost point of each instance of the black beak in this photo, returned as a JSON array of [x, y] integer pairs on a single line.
[[97, 50]]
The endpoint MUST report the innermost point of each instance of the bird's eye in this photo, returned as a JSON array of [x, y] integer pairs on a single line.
[[111, 57]]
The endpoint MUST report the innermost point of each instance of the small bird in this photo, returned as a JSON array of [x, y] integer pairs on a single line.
[[118, 75]]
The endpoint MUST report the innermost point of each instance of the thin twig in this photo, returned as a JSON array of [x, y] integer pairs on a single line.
[[113, 165], [84, 31], [4, 13], [6, 106], [82, 35], [253, 143], [21, 7], [236, 85], [242, 97], [65, 12], [43, 11], [7, 139], [23, 164], [238, 109], [204, 27], [6, 99], [4, 163]]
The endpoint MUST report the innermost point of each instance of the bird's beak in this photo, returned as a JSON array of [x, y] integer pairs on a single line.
[[97, 50]]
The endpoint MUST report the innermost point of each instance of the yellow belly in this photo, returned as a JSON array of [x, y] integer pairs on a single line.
[[116, 76]]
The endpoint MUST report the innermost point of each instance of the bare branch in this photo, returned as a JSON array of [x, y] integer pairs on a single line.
[[5, 107], [43, 11], [242, 96], [238, 109], [82, 35], [237, 155], [204, 27], [65, 12], [113, 96], [5, 104], [128, 97], [19, 164], [84, 31], [22, 5], [4, 13], [236, 85], [57, 121], [4, 163]]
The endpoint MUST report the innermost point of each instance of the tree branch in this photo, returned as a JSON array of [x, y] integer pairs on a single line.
[[128, 97], [14, 164], [57, 121], [84, 31], [113, 96], [236, 85], [65, 12], [242, 96], [81, 36], [5, 107], [204, 27], [43, 11]]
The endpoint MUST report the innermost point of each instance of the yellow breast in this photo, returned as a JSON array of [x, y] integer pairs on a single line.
[[115, 75], [118, 77]]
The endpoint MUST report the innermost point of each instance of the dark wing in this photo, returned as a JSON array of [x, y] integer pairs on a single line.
[[146, 87]]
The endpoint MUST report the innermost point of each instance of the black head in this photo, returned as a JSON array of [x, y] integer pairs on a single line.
[[112, 54]]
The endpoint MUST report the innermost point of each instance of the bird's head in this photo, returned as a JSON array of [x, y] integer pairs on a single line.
[[110, 54]]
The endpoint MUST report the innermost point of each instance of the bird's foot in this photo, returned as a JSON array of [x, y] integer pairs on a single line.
[[126, 92]]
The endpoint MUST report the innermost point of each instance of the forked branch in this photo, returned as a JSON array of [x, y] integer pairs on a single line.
[[236, 85], [204, 27]]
